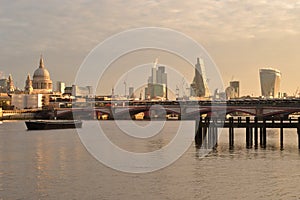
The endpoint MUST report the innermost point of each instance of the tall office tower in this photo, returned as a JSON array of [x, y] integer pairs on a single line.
[[236, 88], [161, 75], [199, 86], [270, 82], [131, 92], [154, 72], [157, 83], [3, 85]]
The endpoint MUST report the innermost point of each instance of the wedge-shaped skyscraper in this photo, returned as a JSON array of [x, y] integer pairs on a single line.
[[199, 86]]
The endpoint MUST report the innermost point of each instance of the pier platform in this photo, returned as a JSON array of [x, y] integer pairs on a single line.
[[206, 135]]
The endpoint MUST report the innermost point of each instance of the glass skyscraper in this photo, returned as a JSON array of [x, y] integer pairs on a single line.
[[270, 82]]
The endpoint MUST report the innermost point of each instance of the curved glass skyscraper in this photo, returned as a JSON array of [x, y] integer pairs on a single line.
[[270, 82]]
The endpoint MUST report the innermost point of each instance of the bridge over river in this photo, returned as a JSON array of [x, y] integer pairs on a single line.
[[208, 115], [184, 110]]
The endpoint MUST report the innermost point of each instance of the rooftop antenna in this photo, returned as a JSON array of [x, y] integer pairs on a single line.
[[177, 91], [141, 94], [296, 92], [155, 63], [182, 85], [125, 85], [112, 91]]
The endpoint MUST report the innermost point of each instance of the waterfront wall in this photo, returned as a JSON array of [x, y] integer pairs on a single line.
[[17, 114]]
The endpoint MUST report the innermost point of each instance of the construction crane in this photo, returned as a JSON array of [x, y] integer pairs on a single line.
[[296, 92]]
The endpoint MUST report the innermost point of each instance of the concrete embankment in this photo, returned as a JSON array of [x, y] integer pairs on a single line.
[[18, 114]]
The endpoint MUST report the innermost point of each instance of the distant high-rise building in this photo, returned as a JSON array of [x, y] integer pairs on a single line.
[[90, 89], [147, 95], [161, 75], [199, 86], [236, 88], [78, 91], [157, 83], [131, 92], [60, 87], [3, 85], [270, 82]]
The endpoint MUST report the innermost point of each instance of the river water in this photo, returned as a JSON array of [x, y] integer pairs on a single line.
[[55, 165]]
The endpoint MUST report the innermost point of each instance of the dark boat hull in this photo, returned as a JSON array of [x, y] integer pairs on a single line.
[[53, 124]]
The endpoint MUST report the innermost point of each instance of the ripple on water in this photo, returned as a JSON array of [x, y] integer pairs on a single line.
[[55, 165]]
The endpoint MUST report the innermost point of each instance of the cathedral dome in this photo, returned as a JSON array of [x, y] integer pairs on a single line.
[[41, 72], [41, 81]]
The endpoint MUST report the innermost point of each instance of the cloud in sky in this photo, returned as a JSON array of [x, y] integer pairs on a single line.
[[65, 31]]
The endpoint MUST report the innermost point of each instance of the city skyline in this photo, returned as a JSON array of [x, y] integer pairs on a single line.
[[156, 86], [241, 37]]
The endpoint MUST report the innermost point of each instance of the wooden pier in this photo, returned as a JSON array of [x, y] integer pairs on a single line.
[[206, 135]]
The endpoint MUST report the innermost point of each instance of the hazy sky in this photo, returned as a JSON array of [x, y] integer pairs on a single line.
[[240, 36]]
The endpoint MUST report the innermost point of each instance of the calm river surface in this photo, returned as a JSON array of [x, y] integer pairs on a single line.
[[55, 165]]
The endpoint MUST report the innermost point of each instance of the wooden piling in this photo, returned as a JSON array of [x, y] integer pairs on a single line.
[[207, 131], [199, 134], [261, 136], [256, 133], [248, 133], [231, 133], [281, 134], [298, 132], [210, 138], [239, 119], [205, 136], [216, 136], [250, 137], [264, 135]]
